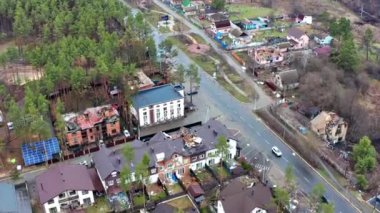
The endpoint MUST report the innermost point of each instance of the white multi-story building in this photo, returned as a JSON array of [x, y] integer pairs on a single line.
[[65, 187], [158, 105]]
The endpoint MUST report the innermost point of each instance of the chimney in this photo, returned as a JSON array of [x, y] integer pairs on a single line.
[[209, 126], [151, 150], [119, 160], [42, 187]]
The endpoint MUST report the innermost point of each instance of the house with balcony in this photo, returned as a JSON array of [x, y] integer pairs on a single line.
[[91, 125], [64, 187], [330, 127], [158, 105], [298, 38], [171, 156]]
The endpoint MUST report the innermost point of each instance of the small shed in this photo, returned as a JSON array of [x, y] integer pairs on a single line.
[[196, 192]]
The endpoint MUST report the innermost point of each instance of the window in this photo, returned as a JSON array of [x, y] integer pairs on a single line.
[[84, 192], [62, 195], [118, 181], [201, 156], [181, 171], [158, 115], [53, 210], [199, 165], [229, 156], [170, 166], [172, 111], [161, 168], [210, 154], [165, 112], [168, 175], [145, 118], [179, 110], [50, 201], [110, 183], [194, 158], [87, 201], [154, 170], [73, 192], [113, 174], [113, 131], [211, 162]]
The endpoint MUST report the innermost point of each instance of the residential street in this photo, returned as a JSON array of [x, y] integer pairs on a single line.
[[260, 137], [264, 99]]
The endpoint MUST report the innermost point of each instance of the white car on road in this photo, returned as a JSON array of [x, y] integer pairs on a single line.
[[276, 151]]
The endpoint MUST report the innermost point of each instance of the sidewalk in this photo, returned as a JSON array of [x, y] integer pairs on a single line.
[[263, 99]]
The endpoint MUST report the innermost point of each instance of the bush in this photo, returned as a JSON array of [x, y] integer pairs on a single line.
[[362, 182], [246, 166]]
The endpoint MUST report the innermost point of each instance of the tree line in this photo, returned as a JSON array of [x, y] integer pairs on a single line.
[[73, 44]]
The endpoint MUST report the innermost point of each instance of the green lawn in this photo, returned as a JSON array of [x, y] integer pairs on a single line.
[[241, 11], [208, 65], [174, 189], [138, 200], [159, 196], [100, 206], [181, 203]]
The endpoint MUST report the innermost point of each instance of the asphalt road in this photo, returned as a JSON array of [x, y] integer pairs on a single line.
[[260, 137]]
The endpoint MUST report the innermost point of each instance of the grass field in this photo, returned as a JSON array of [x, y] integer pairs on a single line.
[[241, 11], [181, 203]]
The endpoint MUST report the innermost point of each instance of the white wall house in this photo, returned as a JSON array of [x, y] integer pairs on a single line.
[[212, 158], [65, 187], [69, 198], [159, 105]]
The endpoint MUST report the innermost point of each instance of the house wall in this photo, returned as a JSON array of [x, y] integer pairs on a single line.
[[74, 138], [334, 137], [113, 128], [173, 165], [162, 112], [79, 196], [302, 42], [112, 179]]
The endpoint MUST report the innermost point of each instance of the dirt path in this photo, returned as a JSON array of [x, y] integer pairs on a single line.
[[5, 45]]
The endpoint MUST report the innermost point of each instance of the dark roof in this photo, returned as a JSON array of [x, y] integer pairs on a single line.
[[323, 51], [61, 178], [8, 201], [164, 208], [295, 32], [218, 17], [289, 77], [221, 24], [156, 95], [236, 197], [95, 180], [195, 190], [107, 161]]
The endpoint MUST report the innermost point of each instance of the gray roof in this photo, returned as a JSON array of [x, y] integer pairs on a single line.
[[289, 77], [8, 201], [107, 161], [295, 32], [236, 197], [61, 178], [156, 95]]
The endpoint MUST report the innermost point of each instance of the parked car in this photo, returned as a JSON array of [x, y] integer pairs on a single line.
[[10, 125], [276, 151], [324, 199], [126, 133], [192, 92]]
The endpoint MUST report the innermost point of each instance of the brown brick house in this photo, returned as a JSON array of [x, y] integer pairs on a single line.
[[91, 125]]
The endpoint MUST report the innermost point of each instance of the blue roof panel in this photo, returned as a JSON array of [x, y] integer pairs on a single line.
[[156, 95], [38, 152]]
